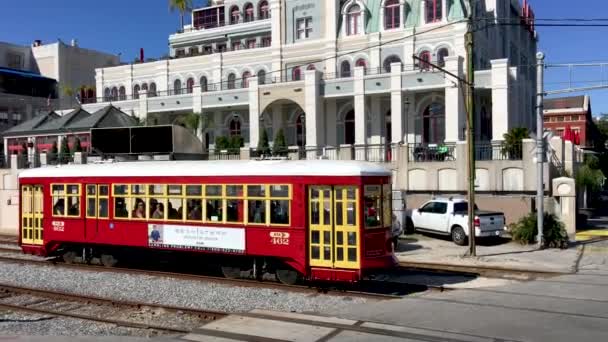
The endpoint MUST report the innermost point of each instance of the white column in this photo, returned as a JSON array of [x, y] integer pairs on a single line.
[[422, 12], [197, 108], [375, 59], [377, 118], [313, 108], [142, 113], [500, 98], [254, 113], [360, 122], [163, 77], [396, 104], [6, 156], [401, 11], [129, 82], [277, 31], [444, 9], [99, 83], [455, 117], [331, 121], [216, 73]]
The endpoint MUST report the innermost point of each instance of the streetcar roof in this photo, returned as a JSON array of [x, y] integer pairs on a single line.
[[211, 168]]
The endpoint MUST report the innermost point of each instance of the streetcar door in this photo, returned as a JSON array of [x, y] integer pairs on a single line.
[[31, 215], [320, 226], [38, 206], [97, 214], [27, 215], [334, 230], [346, 227]]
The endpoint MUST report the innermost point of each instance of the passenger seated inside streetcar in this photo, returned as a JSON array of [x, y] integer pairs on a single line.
[[120, 208], [74, 209], [153, 203], [257, 211], [159, 212], [173, 214], [214, 210], [139, 212], [59, 207], [195, 213]]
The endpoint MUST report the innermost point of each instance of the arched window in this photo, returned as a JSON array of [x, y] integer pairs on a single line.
[[441, 55], [106, 95], [152, 91], [296, 74], [361, 63], [264, 10], [136, 91], [390, 60], [190, 85], [249, 13], [349, 128], [392, 14], [114, 94], [345, 69], [301, 130], [234, 15], [434, 11], [231, 81], [235, 127], [91, 94], [122, 93], [144, 87], [354, 20], [433, 124], [245, 80], [177, 87], [262, 76], [204, 84], [425, 58], [311, 67]]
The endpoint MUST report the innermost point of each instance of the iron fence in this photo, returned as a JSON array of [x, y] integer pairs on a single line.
[[487, 152]]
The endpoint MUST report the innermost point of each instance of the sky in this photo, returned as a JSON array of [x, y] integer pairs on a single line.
[[124, 26]]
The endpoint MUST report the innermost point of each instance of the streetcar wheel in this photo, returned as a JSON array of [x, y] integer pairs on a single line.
[[287, 277], [108, 260], [231, 272], [69, 257]]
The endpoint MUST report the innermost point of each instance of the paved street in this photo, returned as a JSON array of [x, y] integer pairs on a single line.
[[564, 308]]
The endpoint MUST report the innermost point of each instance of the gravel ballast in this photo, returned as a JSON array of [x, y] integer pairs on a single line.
[[154, 290]]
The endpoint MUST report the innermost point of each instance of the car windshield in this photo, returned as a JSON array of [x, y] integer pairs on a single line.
[[463, 206]]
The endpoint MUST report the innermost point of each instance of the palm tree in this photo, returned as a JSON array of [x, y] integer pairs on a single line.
[[182, 6], [511, 146], [589, 177]]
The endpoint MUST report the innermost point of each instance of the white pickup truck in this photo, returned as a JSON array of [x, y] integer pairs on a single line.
[[449, 217]]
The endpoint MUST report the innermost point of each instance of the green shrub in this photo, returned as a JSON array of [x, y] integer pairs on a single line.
[[280, 144], [76, 146], [263, 145], [222, 143], [525, 231]]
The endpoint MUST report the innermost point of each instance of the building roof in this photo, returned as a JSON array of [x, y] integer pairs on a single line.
[[213, 168], [66, 120], [109, 116], [32, 124], [571, 102]]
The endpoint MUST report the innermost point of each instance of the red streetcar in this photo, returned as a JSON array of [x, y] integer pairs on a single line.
[[318, 220]]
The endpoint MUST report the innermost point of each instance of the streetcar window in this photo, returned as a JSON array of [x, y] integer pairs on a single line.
[[345, 206], [175, 209], [66, 200], [92, 201], [256, 190], [103, 198], [257, 211], [373, 205], [279, 212], [195, 210], [235, 204], [120, 207], [214, 210]]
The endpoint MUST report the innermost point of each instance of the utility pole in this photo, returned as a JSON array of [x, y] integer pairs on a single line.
[[540, 146], [471, 128]]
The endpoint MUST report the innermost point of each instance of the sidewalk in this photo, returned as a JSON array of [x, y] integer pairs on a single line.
[[502, 254]]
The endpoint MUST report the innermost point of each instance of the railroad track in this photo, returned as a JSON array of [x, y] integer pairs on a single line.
[[130, 314], [384, 290]]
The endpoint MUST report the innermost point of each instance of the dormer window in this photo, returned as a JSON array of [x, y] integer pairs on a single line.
[[354, 20], [235, 15], [392, 14], [434, 10], [353, 17]]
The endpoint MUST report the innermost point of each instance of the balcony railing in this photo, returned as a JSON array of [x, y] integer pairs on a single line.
[[487, 151], [430, 153], [200, 26]]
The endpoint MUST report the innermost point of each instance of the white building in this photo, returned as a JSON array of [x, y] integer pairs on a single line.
[[336, 72]]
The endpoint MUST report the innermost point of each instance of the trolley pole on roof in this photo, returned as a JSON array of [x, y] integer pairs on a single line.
[[470, 136]]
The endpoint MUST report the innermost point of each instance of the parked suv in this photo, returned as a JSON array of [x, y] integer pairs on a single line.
[[449, 217]]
